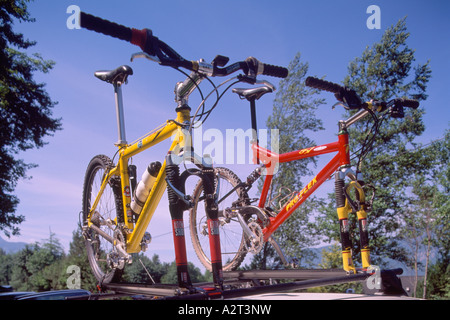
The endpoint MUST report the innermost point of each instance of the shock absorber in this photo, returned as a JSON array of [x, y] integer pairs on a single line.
[[212, 213], [176, 208], [255, 175], [342, 212], [362, 224]]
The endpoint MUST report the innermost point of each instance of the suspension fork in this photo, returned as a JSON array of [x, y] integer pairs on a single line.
[[344, 206], [212, 215], [175, 190], [360, 209], [179, 202]]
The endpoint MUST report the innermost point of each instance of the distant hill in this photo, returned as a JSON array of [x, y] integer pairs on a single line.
[[11, 247]]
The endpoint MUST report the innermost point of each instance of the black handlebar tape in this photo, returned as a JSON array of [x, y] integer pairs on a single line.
[[323, 85], [106, 27], [274, 71], [409, 103]]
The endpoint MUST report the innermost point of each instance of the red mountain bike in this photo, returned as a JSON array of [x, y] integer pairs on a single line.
[[246, 227]]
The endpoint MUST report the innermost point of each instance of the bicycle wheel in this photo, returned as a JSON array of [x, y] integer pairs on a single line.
[[103, 257], [232, 241]]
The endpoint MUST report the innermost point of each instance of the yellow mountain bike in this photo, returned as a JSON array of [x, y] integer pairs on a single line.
[[116, 209]]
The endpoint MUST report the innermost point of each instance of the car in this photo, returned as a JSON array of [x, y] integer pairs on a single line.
[[58, 295], [14, 295]]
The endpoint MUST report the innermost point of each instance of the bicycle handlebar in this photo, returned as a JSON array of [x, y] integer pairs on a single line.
[[409, 103], [323, 85], [169, 57], [351, 98]]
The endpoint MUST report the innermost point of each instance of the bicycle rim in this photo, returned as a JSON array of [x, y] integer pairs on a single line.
[[103, 257], [232, 241]]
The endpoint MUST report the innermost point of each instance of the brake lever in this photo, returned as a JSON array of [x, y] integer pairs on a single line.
[[344, 105], [146, 56]]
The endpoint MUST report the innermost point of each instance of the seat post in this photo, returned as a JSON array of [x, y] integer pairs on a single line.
[[119, 113], [254, 126]]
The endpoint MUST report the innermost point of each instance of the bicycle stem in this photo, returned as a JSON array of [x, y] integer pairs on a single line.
[[344, 124], [184, 89]]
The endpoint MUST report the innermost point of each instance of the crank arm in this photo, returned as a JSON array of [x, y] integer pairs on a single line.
[[110, 239], [245, 227]]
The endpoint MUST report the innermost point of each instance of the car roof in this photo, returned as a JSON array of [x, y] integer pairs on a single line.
[[56, 295], [14, 295]]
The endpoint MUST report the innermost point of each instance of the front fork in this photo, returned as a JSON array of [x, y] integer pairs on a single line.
[[179, 202], [345, 205]]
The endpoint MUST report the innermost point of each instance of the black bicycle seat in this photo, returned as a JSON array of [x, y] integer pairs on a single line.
[[252, 93], [118, 75]]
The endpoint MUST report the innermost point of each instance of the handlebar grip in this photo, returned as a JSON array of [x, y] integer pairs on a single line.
[[274, 71], [106, 27], [410, 103], [323, 85], [134, 36]]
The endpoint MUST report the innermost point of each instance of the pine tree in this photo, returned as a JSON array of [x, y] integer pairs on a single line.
[[25, 108]]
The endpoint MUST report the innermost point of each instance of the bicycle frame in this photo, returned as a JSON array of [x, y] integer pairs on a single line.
[[137, 230], [339, 163], [268, 157]]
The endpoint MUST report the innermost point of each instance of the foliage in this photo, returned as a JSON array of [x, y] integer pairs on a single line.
[[426, 221], [25, 108], [37, 267]]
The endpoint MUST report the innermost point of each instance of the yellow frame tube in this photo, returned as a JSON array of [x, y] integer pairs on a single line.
[[126, 152], [100, 193]]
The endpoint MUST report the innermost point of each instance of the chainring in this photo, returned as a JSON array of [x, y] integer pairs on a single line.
[[256, 244]]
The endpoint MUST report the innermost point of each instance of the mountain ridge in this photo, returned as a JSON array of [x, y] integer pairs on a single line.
[[11, 247]]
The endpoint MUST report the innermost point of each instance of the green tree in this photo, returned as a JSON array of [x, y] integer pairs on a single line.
[[20, 273], [6, 265], [294, 116], [385, 71], [25, 108], [77, 256], [331, 259], [195, 274], [38, 267], [426, 220], [142, 266], [44, 264]]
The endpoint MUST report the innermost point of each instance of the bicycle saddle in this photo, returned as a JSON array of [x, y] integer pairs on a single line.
[[252, 93], [116, 76]]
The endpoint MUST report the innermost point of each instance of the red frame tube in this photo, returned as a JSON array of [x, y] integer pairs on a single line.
[[270, 159]]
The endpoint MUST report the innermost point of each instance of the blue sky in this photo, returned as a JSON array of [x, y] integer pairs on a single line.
[[329, 34]]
